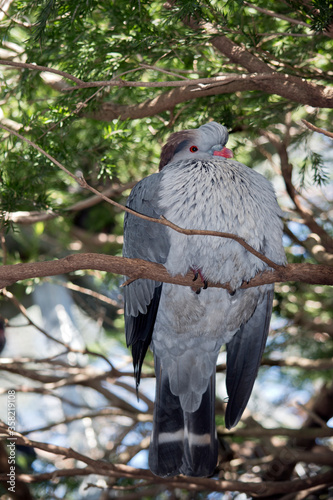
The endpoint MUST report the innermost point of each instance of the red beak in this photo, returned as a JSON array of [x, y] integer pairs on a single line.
[[225, 152]]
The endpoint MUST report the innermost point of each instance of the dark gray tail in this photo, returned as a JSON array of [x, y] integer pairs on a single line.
[[182, 442]]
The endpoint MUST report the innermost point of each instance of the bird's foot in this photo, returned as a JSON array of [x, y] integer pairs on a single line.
[[197, 273]]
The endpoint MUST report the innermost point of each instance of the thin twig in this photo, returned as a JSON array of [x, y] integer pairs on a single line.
[[33, 217], [276, 15], [313, 415], [85, 291], [24, 312], [79, 107], [117, 82], [291, 362], [37, 67], [3, 246], [104, 412], [317, 129]]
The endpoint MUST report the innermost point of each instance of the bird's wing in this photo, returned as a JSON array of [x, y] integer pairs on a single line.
[[149, 241], [244, 353]]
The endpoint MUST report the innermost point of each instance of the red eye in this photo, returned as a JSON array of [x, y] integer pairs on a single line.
[[193, 149]]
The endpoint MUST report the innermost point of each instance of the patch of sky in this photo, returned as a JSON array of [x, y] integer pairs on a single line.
[[126, 394], [140, 460]]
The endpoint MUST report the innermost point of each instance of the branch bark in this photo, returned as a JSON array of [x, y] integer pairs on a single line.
[[317, 129], [11, 274], [260, 77], [138, 268], [290, 87]]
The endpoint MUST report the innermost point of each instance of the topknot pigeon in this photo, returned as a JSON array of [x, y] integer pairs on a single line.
[[199, 187]]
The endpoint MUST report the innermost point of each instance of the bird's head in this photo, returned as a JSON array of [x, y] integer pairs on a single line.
[[200, 144]]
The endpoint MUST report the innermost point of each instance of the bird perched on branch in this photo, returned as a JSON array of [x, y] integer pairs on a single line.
[[199, 187]]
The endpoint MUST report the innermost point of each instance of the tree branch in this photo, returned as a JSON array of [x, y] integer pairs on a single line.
[[260, 77], [37, 67], [276, 15], [261, 72], [291, 362], [11, 274], [118, 82], [317, 129], [138, 268], [291, 87], [27, 218]]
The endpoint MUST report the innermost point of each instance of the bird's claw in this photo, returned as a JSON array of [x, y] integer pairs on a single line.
[[198, 273]]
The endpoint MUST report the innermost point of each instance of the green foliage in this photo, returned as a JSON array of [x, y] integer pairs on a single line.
[[148, 41], [320, 12], [319, 172]]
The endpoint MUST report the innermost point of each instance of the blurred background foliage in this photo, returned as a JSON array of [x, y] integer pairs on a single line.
[[149, 41]]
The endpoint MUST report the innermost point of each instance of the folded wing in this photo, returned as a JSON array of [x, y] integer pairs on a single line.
[[143, 240], [244, 354]]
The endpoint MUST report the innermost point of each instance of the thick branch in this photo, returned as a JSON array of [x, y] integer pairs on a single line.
[[290, 87], [261, 77], [137, 268], [303, 272]]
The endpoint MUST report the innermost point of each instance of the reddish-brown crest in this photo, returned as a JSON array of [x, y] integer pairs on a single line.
[[173, 142]]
